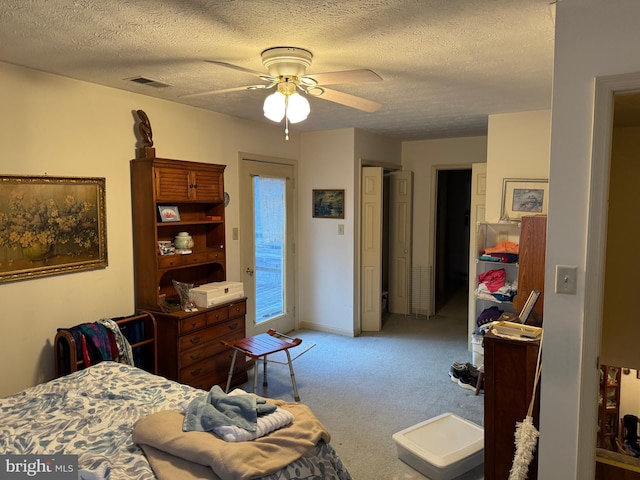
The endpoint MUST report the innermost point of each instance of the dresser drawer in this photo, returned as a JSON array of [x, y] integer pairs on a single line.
[[212, 371], [195, 257], [167, 261], [218, 315], [189, 357], [192, 323], [231, 326], [196, 339], [215, 255], [238, 308], [194, 373]]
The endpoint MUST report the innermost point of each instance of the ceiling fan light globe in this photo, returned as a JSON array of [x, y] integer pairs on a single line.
[[298, 108], [274, 107]]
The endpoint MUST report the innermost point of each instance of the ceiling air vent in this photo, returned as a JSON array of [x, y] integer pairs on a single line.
[[148, 81]]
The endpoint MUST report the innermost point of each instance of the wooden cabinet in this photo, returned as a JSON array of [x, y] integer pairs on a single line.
[[608, 407], [197, 190], [188, 182], [532, 253], [189, 342], [509, 374], [190, 345]]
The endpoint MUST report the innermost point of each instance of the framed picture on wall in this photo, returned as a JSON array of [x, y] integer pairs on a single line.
[[328, 203], [51, 225], [524, 197]]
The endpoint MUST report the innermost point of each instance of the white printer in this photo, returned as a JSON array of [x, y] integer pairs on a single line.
[[215, 293]]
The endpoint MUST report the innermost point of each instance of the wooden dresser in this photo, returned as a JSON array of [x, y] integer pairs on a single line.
[[509, 371], [189, 345]]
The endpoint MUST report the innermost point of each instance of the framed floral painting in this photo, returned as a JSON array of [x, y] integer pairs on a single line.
[[51, 225]]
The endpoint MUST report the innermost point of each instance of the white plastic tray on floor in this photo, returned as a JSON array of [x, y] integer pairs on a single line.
[[443, 447]]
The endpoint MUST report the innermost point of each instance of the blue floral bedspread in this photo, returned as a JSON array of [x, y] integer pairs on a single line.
[[91, 413]]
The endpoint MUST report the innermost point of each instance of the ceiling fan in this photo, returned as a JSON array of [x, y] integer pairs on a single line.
[[287, 67]]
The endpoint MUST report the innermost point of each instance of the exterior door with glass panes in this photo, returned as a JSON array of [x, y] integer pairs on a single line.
[[266, 238]]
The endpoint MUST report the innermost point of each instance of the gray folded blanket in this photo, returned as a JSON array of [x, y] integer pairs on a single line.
[[217, 409]]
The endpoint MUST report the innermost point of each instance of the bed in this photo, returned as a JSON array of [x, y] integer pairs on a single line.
[[94, 411]]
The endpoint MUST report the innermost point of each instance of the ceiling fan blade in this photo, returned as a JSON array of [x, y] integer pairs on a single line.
[[225, 90], [346, 76], [350, 100], [241, 69]]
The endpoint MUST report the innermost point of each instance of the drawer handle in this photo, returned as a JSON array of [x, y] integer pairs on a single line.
[[196, 372], [193, 325], [233, 326], [195, 356], [195, 340]]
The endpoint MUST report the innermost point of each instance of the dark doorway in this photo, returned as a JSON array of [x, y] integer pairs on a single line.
[[453, 204]]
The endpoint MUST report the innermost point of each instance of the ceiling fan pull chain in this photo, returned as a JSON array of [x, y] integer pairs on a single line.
[[286, 117]]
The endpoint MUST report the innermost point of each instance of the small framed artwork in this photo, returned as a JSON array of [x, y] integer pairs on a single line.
[[328, 203], [524, 197], [168, 213]]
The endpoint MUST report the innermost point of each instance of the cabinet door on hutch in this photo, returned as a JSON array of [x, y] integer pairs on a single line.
[[207, 186], [172, 184]]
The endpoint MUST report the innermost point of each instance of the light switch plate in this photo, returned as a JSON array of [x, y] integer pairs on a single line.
[[341, 229], [566, 279]]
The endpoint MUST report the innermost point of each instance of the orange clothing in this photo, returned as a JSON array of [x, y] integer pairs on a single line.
[[503, 247]]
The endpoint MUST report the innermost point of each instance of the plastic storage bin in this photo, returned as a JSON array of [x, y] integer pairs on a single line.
[[443, 447]]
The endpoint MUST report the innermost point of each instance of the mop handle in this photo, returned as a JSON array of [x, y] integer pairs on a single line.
[[537, 377]]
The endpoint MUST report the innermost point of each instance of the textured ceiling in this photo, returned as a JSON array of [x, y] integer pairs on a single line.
[[445, 64]]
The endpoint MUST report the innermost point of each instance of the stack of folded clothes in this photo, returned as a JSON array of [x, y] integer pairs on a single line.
[[236, 417]]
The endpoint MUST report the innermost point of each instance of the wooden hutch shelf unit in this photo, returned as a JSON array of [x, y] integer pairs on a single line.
[[189, 343]]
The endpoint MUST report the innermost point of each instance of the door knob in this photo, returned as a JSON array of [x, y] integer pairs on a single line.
[[249, 272]]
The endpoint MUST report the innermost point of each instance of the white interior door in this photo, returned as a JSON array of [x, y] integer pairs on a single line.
[[371, 250], [478, 196], [267, 245], [400, 240]]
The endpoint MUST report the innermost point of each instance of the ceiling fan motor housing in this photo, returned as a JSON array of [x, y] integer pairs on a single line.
[[286, 61]]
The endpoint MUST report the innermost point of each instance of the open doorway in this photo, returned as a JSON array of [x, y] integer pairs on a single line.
[[613, 103], [453, 210]]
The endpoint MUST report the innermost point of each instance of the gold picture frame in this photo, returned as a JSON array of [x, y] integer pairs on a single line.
[[51, 226]]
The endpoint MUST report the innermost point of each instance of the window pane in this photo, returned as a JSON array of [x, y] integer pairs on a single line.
[[269, 228]]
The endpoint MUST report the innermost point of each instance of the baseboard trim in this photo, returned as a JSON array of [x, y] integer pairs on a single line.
[[323, 328]]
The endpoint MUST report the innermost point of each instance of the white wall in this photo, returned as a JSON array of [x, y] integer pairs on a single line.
[[593, 38], [326, 282], [517, 147], [56, 126], [630, 394]]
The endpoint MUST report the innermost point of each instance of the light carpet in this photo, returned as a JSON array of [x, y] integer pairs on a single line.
[[367, 388]]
